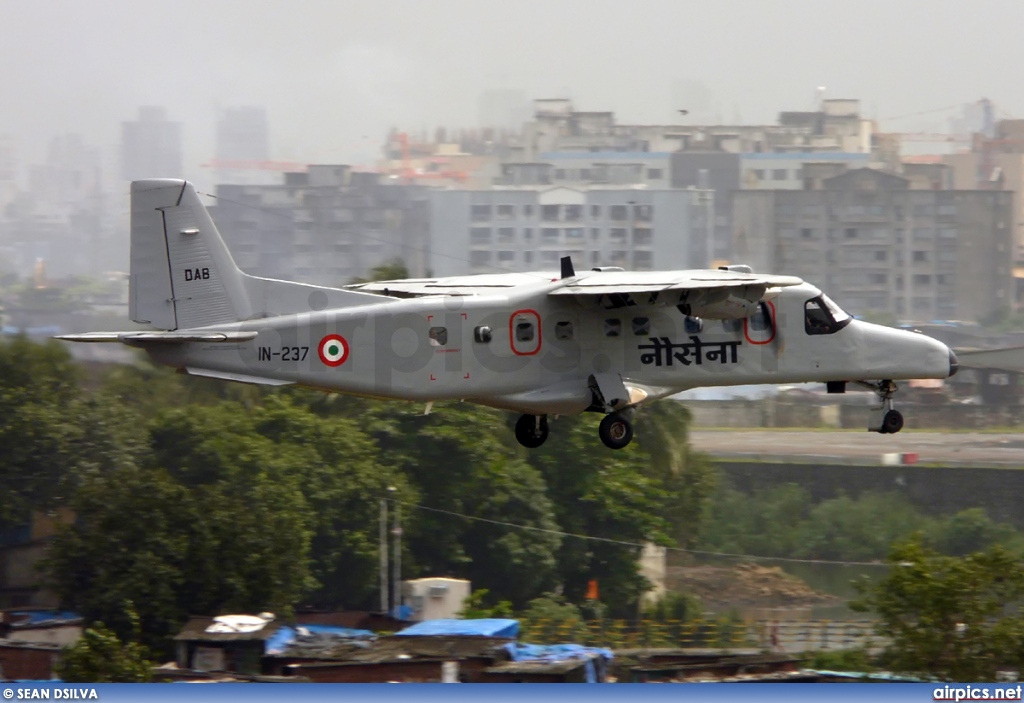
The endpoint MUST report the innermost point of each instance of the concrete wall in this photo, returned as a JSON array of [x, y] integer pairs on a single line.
[[773, 413], [27, 663]]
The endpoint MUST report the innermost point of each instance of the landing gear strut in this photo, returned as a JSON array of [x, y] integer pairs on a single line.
[[532, 430], [616, 430], [885, 419]]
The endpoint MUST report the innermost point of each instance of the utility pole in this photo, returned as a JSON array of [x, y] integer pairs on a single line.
[[397, 532], [383, 550]]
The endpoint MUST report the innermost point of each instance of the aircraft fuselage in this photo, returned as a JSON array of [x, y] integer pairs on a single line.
[[532, 352]]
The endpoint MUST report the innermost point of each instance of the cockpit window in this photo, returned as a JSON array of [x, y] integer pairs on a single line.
[[822, 316], [838, 314]]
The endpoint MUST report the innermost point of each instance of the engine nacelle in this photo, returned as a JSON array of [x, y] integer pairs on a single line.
[[723, 303]]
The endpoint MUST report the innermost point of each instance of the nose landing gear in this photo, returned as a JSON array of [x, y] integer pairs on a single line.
[[885, 419]]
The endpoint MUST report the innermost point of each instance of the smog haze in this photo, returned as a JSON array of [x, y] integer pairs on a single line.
[[334, 76]]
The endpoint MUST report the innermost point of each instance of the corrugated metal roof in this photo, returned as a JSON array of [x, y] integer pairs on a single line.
[[387, 649], [195, 631]]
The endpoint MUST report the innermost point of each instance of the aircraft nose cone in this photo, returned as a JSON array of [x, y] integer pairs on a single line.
[[954, 365]]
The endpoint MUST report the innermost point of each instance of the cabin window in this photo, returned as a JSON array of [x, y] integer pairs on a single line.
[[760, 320], [612, 327], [563, 331], [822, 316], [438, 336], [482, 334], [732, 325], [693, 325], [641, 326], [524, 332]]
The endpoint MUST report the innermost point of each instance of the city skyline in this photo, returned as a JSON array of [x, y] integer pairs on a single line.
[[334, 77]]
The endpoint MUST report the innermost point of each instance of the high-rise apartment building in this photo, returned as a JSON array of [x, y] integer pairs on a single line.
[[875, 245], [325, 226], [151, 146]]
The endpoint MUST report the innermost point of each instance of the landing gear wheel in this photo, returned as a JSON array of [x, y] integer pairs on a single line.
[[615, 431], [531, 430], [892, 422]]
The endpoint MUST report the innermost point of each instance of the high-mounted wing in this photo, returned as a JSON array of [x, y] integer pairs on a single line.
[[705, 293], [479, 284]]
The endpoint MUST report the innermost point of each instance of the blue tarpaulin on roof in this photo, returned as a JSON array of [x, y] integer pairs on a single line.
[[597, 658], [483, 627], [39, 617], [279, 641]]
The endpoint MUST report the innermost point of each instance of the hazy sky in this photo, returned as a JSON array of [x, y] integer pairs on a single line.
[[335, 75]]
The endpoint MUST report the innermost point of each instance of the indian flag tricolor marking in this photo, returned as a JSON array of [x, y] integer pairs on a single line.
[[333, 350]]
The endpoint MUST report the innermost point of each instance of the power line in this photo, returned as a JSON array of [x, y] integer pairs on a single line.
[[926, 112], [638, 545]]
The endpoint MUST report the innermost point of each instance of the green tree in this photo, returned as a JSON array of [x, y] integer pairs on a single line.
[[553, 615], [972, 530], [460, 460], [144, 535], [663, 431], [476, 606], [50, 430], [149, 389], [100, 657], [858, 529], [957, 618], [675, 606], [392, 270], [766, 524], [610, 496], [131, 541]]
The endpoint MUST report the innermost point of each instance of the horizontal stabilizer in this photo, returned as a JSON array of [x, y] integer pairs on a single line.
[[239, 377], [158, 337]]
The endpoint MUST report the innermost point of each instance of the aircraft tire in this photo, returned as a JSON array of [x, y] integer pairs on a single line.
[[615, 431], [527, 432], [892, 422]]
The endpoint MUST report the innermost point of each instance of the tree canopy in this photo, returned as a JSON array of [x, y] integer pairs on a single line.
[[954, 617], [193, 496]]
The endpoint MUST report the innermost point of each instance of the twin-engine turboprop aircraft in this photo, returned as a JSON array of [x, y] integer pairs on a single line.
[[540, 344]]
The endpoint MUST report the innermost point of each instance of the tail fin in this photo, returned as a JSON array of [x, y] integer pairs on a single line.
[[182, 275]]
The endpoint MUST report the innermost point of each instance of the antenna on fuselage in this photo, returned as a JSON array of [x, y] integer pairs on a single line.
[[567, 270]]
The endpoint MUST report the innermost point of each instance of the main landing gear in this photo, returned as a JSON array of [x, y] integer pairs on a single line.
[[616, 430], [532, 430], [885, 419]]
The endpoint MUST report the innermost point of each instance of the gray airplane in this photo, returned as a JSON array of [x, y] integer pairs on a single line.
[[540, 344]]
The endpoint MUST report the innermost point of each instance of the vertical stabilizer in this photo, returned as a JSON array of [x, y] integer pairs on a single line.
[[182, 275]]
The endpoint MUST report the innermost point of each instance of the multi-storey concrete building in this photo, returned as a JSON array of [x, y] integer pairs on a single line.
[[876, 245], [477, 231], [151, 146], [242, 145], [325, 226]]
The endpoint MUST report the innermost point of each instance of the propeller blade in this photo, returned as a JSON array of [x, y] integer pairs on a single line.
[[1007, 359]]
